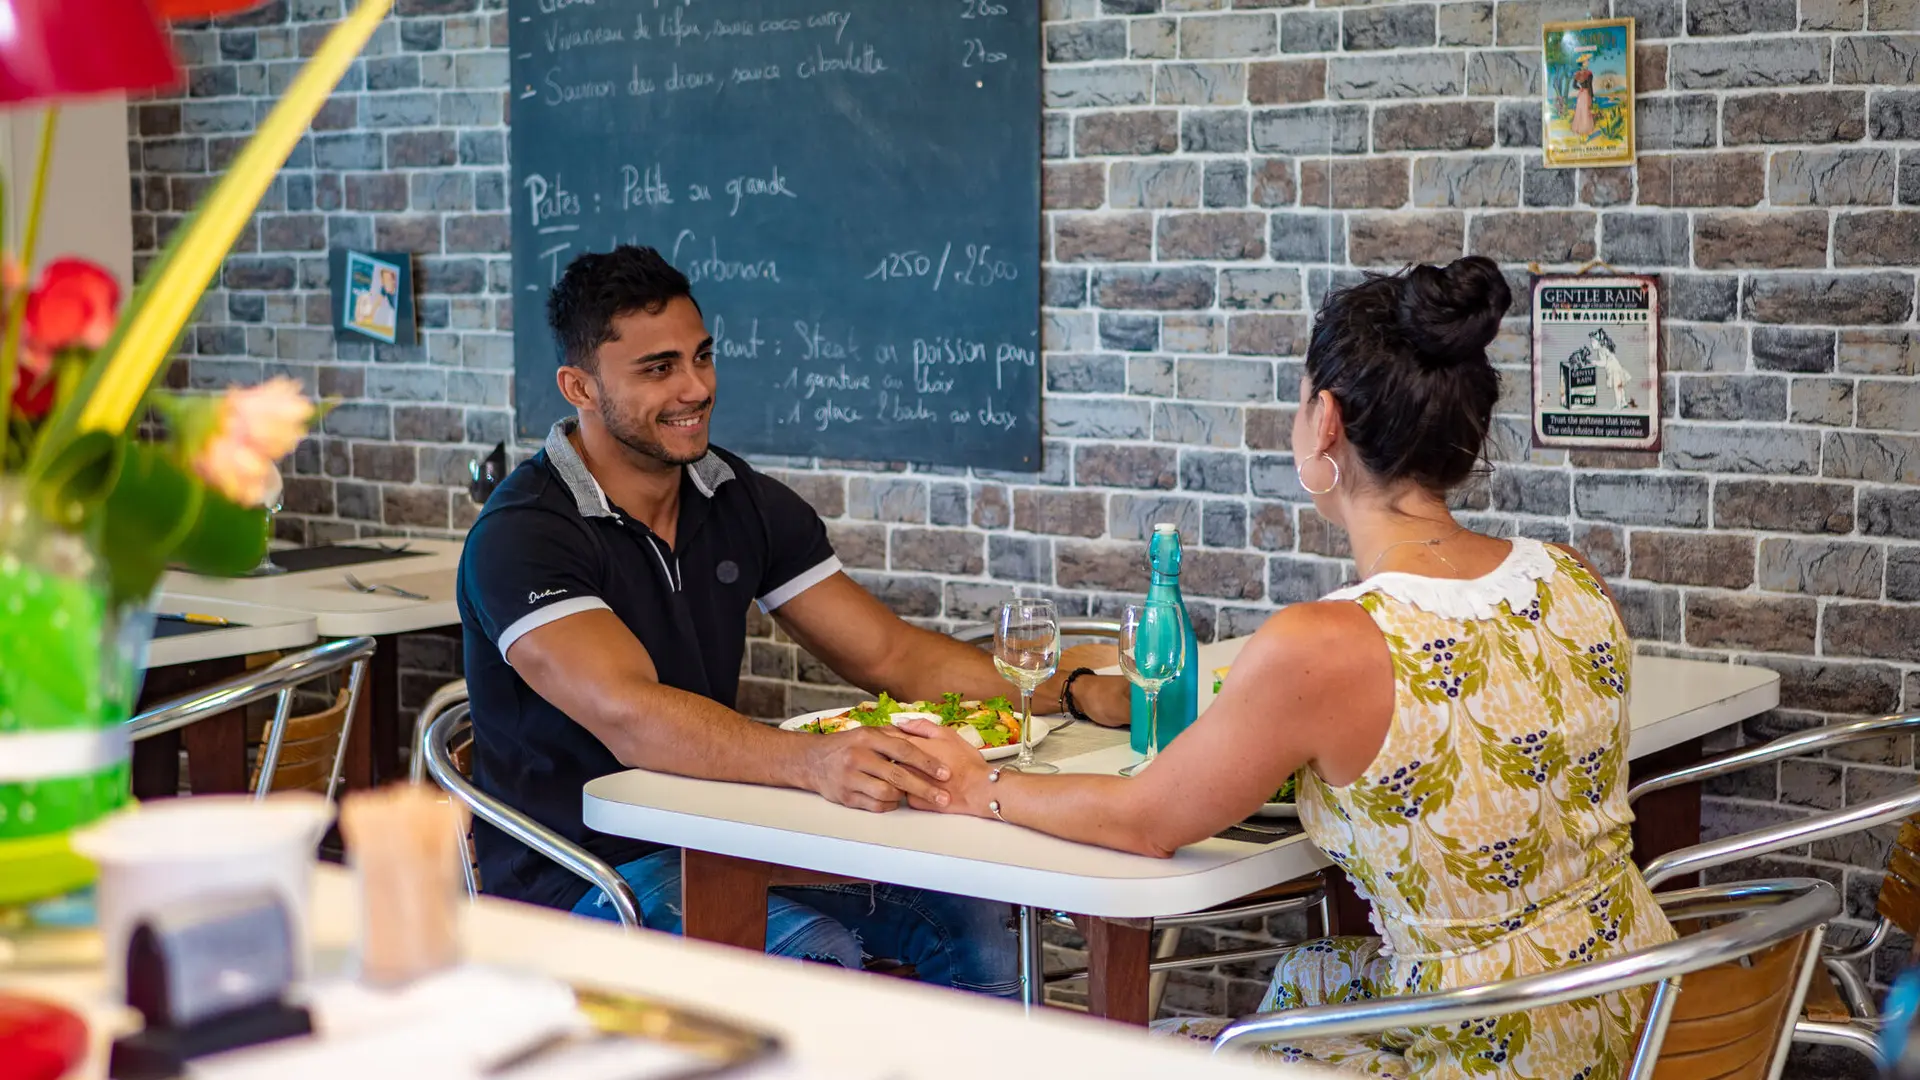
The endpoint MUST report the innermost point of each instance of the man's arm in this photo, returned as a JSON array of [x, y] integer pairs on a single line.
[[865, 643], [591, 667]]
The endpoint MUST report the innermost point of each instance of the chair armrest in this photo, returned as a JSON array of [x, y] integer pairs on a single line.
[[1798, 744], [576, 859], [1774, 838], [1794, 906]]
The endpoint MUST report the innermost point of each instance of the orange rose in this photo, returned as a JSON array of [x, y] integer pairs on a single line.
[[257, 426], [75, 305]]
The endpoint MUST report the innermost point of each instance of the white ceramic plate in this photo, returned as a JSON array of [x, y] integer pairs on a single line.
[[1040, 730], [1278, 809]]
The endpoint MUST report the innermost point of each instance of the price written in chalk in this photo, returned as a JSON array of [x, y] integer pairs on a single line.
[[974, 264]]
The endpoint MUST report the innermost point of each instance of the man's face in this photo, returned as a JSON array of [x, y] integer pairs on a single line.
[[655, 382]]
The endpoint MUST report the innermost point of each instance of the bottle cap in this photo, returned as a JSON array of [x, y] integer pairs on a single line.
[[1165, 527]]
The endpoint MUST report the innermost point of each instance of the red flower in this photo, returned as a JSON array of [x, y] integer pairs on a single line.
[[33, 391], [75, 305]]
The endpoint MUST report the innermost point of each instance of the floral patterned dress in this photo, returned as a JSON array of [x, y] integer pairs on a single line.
[[1492, 831]]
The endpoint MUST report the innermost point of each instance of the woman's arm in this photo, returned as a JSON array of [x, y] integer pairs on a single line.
[[1315, 685]]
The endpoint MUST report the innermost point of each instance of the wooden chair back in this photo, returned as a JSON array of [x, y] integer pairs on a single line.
[[1899, 900], [1729, 1021], [307, 751]]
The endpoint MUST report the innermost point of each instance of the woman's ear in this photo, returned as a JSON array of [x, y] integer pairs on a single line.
[[1328, 425]]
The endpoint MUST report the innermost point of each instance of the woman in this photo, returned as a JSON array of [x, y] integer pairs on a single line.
[[1457, 720], [1583, 124]]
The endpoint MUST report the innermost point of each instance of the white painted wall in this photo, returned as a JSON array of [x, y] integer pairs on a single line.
[[89, 205]]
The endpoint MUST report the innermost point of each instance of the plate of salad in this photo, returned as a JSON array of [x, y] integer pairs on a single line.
[[1282, 804], [992, 725]]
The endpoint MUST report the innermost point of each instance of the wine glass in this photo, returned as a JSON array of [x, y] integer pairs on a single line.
[[1026, 651], [272, 501], [1153, 645]]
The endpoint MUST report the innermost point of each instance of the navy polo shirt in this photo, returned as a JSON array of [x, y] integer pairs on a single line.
[[549, 545]]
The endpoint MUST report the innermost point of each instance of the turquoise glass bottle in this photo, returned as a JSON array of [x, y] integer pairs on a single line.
[[1179, 699]]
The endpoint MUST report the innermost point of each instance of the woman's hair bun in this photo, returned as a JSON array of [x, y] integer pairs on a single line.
[[1450, 314]]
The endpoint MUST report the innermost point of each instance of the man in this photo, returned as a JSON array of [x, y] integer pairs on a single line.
[[604, 593]]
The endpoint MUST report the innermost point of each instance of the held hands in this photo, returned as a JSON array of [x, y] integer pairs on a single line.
[[875, 768], [960, 762]]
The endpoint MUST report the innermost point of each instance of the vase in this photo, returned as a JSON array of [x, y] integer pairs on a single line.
[[70, 669]]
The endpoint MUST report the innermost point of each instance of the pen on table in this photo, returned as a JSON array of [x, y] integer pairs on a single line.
[[189, 617]]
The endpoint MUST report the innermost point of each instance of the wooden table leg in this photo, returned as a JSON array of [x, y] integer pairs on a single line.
[[1667, 820], [1118, 951], [1352, 913], [384, 734], [216, 746], [217, 753], [724, 899]]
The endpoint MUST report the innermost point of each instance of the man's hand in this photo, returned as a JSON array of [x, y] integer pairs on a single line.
[[874, 769]]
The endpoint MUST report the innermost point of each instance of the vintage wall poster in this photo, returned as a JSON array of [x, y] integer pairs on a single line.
[[1596, 362], [1587, 118], [373, 294]]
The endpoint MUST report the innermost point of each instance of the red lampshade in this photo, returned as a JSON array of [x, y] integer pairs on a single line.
[[73, 48], [173, 10]]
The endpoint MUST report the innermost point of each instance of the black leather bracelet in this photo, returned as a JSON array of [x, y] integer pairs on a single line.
[[1066, 695]]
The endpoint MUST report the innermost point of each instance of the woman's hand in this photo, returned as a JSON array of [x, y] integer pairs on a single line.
[[967, 782]]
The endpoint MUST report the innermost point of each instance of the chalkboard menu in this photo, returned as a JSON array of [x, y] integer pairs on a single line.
[[853, 187]]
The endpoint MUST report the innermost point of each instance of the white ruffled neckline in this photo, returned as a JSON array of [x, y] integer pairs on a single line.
[[1515, 582]]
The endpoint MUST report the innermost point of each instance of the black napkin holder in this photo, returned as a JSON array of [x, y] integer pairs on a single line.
[[208, 977]]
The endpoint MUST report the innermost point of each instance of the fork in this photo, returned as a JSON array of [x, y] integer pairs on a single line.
[[357, 585]]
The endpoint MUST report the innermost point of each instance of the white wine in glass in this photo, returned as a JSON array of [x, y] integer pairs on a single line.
[[1153, 644], [1026, 652]]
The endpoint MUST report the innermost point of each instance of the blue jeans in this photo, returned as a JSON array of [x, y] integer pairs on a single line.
[[952, 941]]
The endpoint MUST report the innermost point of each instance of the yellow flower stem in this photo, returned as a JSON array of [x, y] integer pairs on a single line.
[[17, 310], [184, 274]]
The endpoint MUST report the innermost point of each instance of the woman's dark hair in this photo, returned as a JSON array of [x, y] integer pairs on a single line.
[[1405, 355], [599, 288]]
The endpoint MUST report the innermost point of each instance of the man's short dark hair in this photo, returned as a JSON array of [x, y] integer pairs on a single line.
[[599, 288]]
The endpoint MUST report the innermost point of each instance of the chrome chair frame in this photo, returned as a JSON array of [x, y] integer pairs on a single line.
[[1032, 953], [1862, 1033], [448, 697], [435, 745], [277, 680], [1769, 912]]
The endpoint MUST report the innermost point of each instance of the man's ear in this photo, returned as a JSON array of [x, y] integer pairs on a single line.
[[577, 387]]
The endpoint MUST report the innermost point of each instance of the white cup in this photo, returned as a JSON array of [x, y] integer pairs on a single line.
[[169, 851]]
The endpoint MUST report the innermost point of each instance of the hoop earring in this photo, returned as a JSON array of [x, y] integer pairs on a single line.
[[1298, 475]]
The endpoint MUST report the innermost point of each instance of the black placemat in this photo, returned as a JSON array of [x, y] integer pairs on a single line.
[[165, 628], [331, 555]]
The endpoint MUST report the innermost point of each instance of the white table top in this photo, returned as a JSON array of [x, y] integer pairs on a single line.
[[836, 1025], [337, 610], [256, 629], [1674, 700]]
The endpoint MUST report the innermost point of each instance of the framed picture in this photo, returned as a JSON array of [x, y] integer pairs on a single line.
[[1587, 71], [1596, 362], [373, 295]]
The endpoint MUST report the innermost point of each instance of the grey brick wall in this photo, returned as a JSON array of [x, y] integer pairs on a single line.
[[1214, 167]]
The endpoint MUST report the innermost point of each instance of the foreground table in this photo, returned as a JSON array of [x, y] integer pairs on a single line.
[[427, 567], [738, 838], [835, 1025]]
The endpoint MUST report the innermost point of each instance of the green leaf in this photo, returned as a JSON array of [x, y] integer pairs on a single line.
[[148, 513], [227, 539], [75, 479]]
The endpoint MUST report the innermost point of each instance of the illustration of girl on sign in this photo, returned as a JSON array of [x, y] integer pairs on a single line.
[[1583, 124]]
